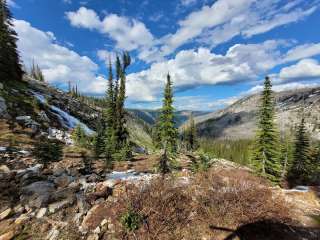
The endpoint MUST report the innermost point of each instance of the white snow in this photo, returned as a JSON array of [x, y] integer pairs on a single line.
[[130, 176], [65, 118], [69, 121], [299, 189], [3, 149]]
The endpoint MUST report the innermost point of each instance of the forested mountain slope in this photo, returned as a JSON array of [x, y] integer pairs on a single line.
[[239, 120]]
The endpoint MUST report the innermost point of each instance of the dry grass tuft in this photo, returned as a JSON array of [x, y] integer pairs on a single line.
[[218, 198]]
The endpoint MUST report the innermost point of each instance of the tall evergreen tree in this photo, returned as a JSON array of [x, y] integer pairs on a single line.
[[300, 168], [109, 118], [122, 132], [168, 131], [36, 72], [156, 134], [191, 134], [10, 66], [266, 154], [99, 139]]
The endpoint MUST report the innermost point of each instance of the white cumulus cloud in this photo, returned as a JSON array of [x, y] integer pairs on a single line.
[[304, 69], [59, 64], [128, 34]]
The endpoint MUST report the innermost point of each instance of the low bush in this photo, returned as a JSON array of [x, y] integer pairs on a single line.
[[202, 164], [169, 209], [48, 150]]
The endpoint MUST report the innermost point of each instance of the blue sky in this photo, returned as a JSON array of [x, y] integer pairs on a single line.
[[216, 51]]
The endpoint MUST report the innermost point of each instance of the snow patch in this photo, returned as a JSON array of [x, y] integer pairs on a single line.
[[130, 176], [3, 149], [65, 118]]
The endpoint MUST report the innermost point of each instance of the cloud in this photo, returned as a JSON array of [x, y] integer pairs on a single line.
[[59, 64], [281, 87], [85, 18], [226, 19], [304, 69], [187, 2], [191, 68], [211, 25], [303, 51], [128, 34], [12, 3], [241, 63]]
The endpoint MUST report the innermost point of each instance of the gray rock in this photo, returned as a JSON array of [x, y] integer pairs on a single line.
[[54, 207], [41, 213], [37, 194], [63, 181], [83, 206], [3, 107], [53, 234], [5, 213], [43, 116], [27, 121], [4, 169]]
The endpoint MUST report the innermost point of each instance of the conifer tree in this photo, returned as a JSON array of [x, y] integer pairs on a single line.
[[110, 120], [168, 131], [79, 136], [191, 134], [36, 72], [285, 155], [122, 132], [266, 154], [99, 140], [11, 68], [156, 134], [300, 168]]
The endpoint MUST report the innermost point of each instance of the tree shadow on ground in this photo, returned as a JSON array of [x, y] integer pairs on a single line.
[[270, 230]]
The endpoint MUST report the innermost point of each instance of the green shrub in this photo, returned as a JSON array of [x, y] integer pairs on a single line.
[[131, 220], [79, 136], [48, 150], [124, 154], [202, 164]]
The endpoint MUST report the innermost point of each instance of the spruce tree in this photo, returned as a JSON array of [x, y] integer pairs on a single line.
[[191, 135], [109, 118], [99, 139], [266, 154], [79, 136], [10, 66], [300, 168], [156, 134], [122, 132], [168, 131], [36, 72]]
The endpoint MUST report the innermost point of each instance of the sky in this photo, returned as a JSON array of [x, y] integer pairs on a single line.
[[216, 51]]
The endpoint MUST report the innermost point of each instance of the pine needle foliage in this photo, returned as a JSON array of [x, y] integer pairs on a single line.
[[113, 122], [190, 135], [168, 131], [10, 66], [266, 152], [300, 168], [36, 72]]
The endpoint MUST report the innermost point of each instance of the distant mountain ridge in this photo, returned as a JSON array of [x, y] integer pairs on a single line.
[[150, 116], [238, 121]]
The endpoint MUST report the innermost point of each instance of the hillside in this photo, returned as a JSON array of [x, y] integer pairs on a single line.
[[150, 116], [238, 121], [42, 108]]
